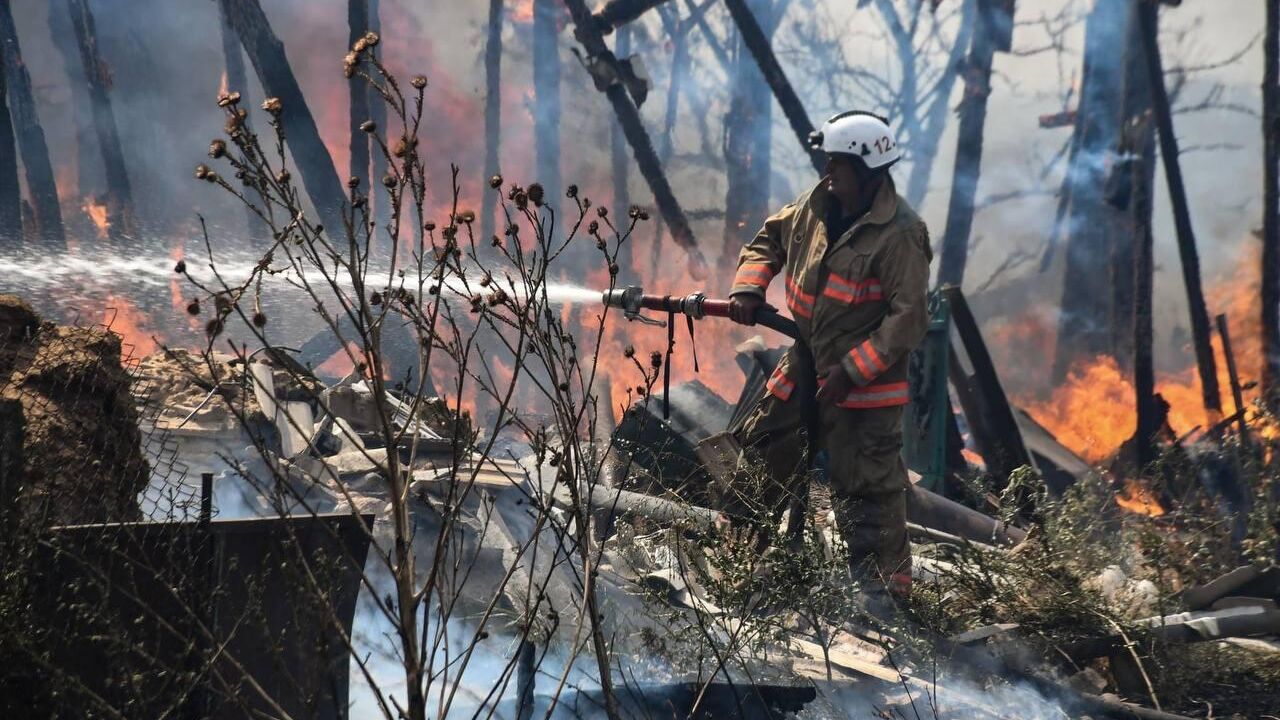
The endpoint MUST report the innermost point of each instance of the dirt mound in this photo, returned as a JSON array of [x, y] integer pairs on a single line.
[[82, 455]]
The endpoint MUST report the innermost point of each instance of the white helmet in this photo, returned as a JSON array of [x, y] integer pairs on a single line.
[[860, 134]]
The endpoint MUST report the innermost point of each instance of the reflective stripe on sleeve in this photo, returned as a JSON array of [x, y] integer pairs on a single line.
[[779, 385], [754, 274]]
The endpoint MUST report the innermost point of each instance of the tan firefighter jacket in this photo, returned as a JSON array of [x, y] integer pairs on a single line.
[[860, 301]]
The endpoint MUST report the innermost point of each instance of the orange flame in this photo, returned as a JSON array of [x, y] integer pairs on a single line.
[[97, 212], [1138, 498], [124, 318]]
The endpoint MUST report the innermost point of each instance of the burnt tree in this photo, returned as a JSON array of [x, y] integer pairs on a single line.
[[238, 81], [358, 88], [637, 137], [748, 128], [621, 165], [492, 115], [1271, 207], [1090, 220], [10, 191], [309, 154], [992, 28], [119, 196], [30, 136], [89, 173], [756, 42], [1148, 14], [546, 97]]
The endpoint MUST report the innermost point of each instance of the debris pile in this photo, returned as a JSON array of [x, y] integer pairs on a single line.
[[81, 448]]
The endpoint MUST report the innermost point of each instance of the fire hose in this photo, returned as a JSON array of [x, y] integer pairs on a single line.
[[633, 301]]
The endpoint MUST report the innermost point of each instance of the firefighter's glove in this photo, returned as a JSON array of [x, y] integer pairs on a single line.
[[836, 387], [743, 306]]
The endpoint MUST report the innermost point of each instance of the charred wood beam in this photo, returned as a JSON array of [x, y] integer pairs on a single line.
[[492, 114], [10, 189], [97, 76], [973, 119], [1149, 17], [266, 53], [617, 13], [1188, 627], [633, 128], [30, 136], [238, 80], [758, 43], [1237, 394], [1271, 207]]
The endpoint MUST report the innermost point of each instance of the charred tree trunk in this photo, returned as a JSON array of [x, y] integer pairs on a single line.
[[546, 91], [266, 52], [30, 136], [925, 146], [357, 26], [1139, 142], [1149, 19], [638, 138], [992, 14], [621, 166], [90, 180], [617, 13], [1271, 208], [10, 190], [238, 81], [492, 116], [757, 42], [97, 78], [378, 113], [1084, 324], [747, 129]]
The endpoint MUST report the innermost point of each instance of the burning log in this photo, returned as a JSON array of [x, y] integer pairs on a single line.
[[1148, 15], [1271, 207], [30, 136], [312, 159], [993, 15], [10, 191], [97, 78], [638, 137], [492, 114], [757, 42]]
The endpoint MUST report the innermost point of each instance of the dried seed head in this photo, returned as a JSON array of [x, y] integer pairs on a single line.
[[360, 45], [235, 122], [563, 387], [180, 267], [375, 299], [211, 176], [371, 38], [401, 147], [513, 191], [613, 269], [495, 241], [655, 359], [486, 279], [522, 201], [217, 148], [418, 82], [283, 176], [600, 244], [536, 193], [214, 327], [602, 211], [353, 182], [429, 226], [633, 212], [222, 303], [368, 126], [389, 181], [495, 182], [497, 297], [273, 105], [259, 319], [202, 171], [571, 191], [643, 215], [586, 202], [629, 351], [640, 390], [228, 99], [467, 216], [193, 307]]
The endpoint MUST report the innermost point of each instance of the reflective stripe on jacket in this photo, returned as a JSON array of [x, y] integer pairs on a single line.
[[860, 301]]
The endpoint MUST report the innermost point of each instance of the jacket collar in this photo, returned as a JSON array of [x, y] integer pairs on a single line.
[[883, 207]]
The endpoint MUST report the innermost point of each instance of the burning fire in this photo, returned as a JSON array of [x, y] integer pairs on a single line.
[[97, 212], [1093, 412], [1139, 499], [124, 318]]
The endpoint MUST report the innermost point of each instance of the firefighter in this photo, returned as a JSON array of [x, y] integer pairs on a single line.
[[854, 258]]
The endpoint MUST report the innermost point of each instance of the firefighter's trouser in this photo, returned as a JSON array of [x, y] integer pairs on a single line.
[[865, 470]]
